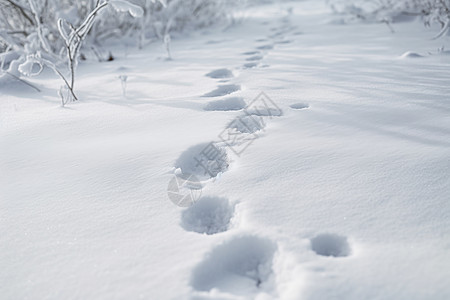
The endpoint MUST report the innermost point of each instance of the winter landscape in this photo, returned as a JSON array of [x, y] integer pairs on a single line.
[[200, 149]]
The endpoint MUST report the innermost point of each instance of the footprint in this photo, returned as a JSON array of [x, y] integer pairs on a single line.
[[263, 106], [284, 42], [254, 58], [277, 34], [205, 161], [265, 47], [261, 40], [299, 106], [231, 103], [220, 73], [250, 65], [329, 244], [223, 90], [212, 42], [241, 266], [247, 124], [251, 53], [209, 215]]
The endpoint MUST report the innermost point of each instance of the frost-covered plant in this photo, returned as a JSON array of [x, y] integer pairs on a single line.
[[74, 37], [123, 82], [389, 11], [57, 33]]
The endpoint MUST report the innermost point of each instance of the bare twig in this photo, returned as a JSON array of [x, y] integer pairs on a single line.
[[23, 81], [21, 10]]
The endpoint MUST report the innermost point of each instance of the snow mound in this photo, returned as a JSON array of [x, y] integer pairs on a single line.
[[209, 215], [232, 103], [410, 54]]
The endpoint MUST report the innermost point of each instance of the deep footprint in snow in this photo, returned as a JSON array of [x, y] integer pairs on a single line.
[[220, 73], [254, 58], [299, 106], [241, 266], [223, 90], [283, 42], [247, 124], [227, 104], [329, 244], [265, 47], [277, 34], [250, 65], [251, 53], [209, 215], [205, 161], [263, 106]]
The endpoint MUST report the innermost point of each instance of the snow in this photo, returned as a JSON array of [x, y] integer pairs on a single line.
[[230, 103], [343, 194]]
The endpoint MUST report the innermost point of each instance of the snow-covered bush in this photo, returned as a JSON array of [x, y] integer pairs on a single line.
[[57, 33], [390, 11]]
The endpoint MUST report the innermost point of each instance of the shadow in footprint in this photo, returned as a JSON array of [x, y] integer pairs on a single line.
[[254, 58], [250, 53], [265, 47], [241, 266], [220, 73], [276, 34], [250, 65], [231, 103], [198, 161], [299, 106], [209, 215], [283, 42], [223, 90], [247, 124], [329, 244], [212, 42]]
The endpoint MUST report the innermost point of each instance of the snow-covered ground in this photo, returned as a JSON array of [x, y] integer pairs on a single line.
[[345, 195]]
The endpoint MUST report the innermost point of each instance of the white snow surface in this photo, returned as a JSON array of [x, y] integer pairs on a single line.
[[345, 195]]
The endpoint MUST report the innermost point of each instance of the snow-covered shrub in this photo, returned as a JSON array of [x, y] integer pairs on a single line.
[[390, 11], [57, 33]]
